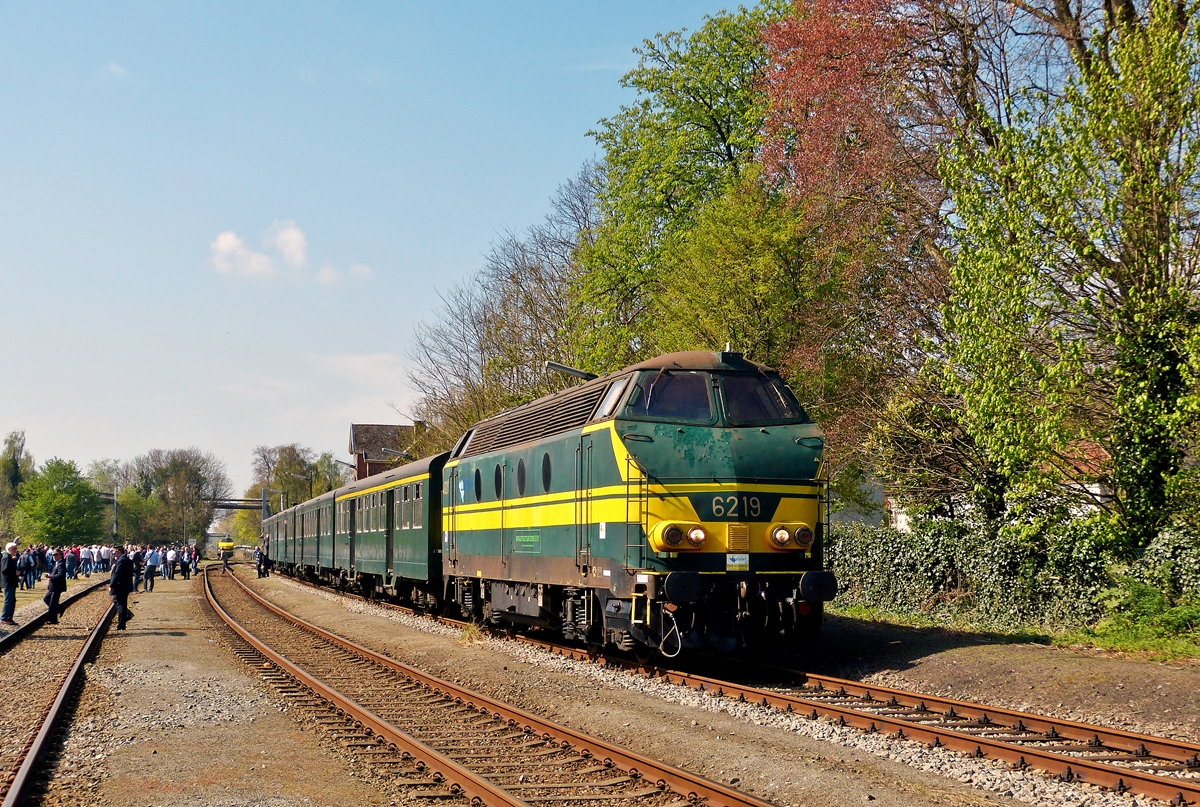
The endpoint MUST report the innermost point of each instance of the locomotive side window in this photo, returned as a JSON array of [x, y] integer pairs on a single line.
[[677, 396], [545, 473], [499, 483], [758, 399], [520, 477], [416, 520], [478, 485], [609, 403]]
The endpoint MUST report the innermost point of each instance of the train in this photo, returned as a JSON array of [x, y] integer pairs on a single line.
[[677, 504]]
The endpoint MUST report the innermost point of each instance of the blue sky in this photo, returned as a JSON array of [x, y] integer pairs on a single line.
[[219, 222]]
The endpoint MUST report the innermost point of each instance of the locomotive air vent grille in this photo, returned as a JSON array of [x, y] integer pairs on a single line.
[[535, 421], [738, 539]]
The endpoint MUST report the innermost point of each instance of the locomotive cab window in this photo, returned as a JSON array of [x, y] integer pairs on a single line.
[[759, 399], [676, 396]]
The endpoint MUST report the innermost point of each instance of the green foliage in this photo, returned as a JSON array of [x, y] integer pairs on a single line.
[[1142, 618], [688, 138], [1073, 307], [16, 467], [956, 570], [59, 507], [138, 516]]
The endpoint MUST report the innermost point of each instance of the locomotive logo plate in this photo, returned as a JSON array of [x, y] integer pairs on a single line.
[[737, 563]]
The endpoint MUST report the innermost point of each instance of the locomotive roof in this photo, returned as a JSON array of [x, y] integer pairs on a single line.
[[573, 407], [697, 360]]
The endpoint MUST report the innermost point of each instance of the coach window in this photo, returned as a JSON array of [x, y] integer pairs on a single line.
[[407, 520], [416, 522]]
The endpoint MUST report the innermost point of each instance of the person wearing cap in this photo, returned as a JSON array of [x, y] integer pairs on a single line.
[[56, 584], [8, 578], [120, 583]]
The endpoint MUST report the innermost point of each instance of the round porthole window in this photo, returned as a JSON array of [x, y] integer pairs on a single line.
[[478, 485], [499, 483], [520, 477], [545, 473]]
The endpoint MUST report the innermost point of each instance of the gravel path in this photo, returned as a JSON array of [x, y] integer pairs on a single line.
[[169, 718], [576, 693]]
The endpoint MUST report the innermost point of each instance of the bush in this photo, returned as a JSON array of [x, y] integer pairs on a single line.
[[1045, 573], [1171, 563]]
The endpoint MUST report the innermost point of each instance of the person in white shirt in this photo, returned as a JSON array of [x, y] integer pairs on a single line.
[[85, 560], [153, 559], [172, 562], [106, 558]]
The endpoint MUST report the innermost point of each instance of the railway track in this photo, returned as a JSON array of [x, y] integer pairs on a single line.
[[1118, 760], [37, 661], [437, 739]]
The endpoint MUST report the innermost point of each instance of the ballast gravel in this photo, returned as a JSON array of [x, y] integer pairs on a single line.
[[990, 776]]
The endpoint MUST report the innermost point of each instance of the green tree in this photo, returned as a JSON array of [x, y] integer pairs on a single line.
[[59, 507], [16, 468], [1074, 285], [686, 140]]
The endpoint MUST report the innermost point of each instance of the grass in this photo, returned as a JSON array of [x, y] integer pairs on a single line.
[[1143, 621], [471, 634]]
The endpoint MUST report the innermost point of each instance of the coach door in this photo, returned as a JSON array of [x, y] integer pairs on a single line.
[[585, 531]]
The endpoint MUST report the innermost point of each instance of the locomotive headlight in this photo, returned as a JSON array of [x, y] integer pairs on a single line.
[[673, 535], [804, 536], [696, 536], [780, 536]]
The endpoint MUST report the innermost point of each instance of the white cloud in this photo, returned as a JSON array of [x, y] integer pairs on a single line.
[[116, 69], [289, 239], [289, 245], [230, 256]]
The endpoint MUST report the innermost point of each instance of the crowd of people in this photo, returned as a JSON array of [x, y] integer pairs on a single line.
[[24, 569]]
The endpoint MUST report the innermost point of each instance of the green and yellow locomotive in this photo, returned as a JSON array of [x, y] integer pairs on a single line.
[[676, 503]]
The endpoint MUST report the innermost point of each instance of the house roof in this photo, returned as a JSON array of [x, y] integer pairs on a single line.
[[369, 439]]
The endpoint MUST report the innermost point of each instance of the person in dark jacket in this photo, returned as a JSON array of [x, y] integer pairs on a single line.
[[120, 583], [8, 577], [56, 584]]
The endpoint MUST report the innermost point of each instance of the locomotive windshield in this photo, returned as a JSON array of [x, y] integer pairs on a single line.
[[676, 396], [759, 399]]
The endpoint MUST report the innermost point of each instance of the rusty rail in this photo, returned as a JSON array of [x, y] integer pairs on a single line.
[[18, 785], [687, 785], [833, 698], [478, 790]]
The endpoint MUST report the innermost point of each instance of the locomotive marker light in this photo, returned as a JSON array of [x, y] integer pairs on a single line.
[[804, 536], [671, 536]]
